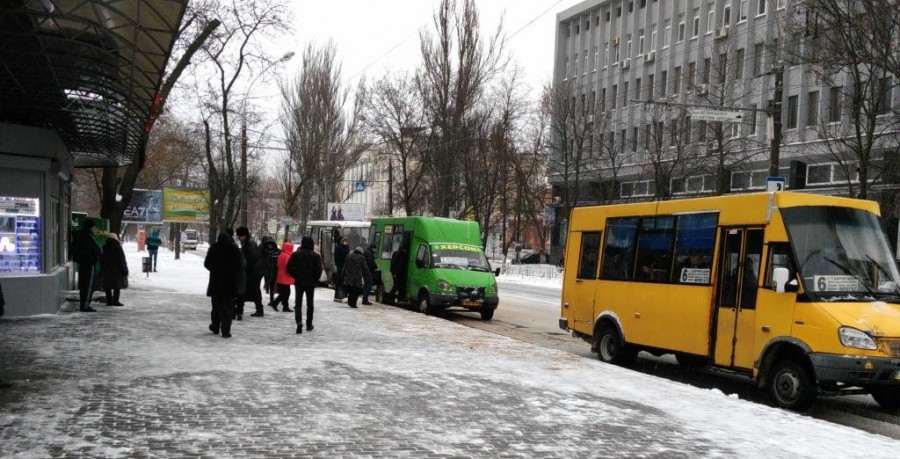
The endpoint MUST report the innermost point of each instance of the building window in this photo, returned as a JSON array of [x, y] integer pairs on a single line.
[[607, 16], [634, 138], [617, 49], [792, 113], [667, 32], [761, 7], [643, 3], [596, 57], [689, 78], [726, 15], [780, 4], [710, 17], [834, 104], [745, 6], [650, 86], [615, 93], [653, 36], [587, 25], [707, 68], [676, 81], [758, 50], [812, 105], [619, 12], [586, 61], [739, 64], [625, 94], [637, 89], [736, 130], [602, 99], [630, 7], [695, 32], [723, 67], [606, 54], [575, 59], [752, 118], [749, 180], [884, 96], [628, 50], [641, 41], [681, 28], [663, 80]]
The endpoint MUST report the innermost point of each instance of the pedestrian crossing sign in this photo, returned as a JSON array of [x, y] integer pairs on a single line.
[[360, 185]]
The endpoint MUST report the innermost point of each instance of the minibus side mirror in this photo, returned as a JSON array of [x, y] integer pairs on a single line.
[[780, 276], [792, 286], [496, 272]]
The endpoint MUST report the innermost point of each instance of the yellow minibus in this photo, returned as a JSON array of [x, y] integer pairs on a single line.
[[799, 291]]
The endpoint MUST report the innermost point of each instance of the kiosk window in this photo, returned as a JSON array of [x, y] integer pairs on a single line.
[[590, 253]]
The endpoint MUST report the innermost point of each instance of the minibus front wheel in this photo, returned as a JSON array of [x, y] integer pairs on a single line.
[[887, 397], [792, 386], [611, 347]]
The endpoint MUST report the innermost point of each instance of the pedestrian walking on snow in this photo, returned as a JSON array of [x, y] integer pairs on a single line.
[[356, 275], [254, 271], [340, 257], [223, 261], [270, 252], [86, 252], [114, 270], [305, 266], [369, 255], [284, 280]]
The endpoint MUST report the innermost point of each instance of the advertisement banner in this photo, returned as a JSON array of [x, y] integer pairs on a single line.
[[185, 204], [350, 211], [145, 207]]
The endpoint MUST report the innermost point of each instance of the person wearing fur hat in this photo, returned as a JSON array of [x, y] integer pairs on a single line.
[[114, 269], [356, 275]]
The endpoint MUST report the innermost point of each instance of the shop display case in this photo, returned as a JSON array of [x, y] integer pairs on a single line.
[[20, 235]]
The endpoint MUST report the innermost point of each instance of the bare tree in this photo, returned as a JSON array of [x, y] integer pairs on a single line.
[[571, 134], [235, 50], [671, 156], [847, 45], [322, 139], [393, 115], [457, 66], [194, 31]]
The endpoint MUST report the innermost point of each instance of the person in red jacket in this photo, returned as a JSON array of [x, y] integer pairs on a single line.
[[283, 279]]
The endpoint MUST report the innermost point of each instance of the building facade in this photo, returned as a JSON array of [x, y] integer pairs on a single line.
[[677, 98]]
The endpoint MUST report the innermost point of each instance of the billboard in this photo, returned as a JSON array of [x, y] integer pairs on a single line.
[[346, 211], [145, 207], [185, 204]]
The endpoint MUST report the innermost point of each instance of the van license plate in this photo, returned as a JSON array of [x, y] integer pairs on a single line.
[[471, 303]]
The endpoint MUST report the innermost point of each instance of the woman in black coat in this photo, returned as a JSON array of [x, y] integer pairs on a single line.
[[223, 261], [305, 266], [114, 269]]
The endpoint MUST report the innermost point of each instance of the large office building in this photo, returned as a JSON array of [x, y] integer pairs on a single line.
[[661, 99]]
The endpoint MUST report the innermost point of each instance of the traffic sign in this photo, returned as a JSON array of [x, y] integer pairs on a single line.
[[712, 114], [360, 185]]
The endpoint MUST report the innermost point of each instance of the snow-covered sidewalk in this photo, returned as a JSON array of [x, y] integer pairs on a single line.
[[149, 379]]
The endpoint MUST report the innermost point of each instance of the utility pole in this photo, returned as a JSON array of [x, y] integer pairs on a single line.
[[390, 186], [244, 173], [775, 113]]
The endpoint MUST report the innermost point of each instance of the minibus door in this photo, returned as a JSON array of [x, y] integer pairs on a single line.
[[736, 290], [581, 297]]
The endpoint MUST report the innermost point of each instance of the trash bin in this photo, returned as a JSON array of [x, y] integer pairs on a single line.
[[145, 264]]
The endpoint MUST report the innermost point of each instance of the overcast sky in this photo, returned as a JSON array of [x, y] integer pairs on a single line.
[[372, 36]]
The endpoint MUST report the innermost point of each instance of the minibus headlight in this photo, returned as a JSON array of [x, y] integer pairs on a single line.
[[491, 290], [856, 339], [445, 286]]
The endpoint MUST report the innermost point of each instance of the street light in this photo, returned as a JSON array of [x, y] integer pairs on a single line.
[[287, 56]]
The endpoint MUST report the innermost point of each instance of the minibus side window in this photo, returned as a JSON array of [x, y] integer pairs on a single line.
[[694, 246], [590, 253], [618, 252], [779, 257], [654, 249], [421, 256]]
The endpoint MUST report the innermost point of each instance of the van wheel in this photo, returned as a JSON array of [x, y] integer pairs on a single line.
[[791, 386], [611, 348], [887, 397], [425, 304], [487, 313]]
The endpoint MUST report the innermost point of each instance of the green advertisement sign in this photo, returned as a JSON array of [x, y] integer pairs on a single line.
[[185, 204]]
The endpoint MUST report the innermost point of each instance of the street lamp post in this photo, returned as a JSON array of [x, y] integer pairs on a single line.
[[243, 211]]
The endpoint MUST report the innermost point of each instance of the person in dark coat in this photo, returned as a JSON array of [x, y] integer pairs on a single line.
[[223, 261], [369, 255], [284, 281], [340, 257], [153, 242], [305, 266], [254, 270], [86, 252], [240, 279], [114, 269], [270, 252], [356, 275], [399, 265]]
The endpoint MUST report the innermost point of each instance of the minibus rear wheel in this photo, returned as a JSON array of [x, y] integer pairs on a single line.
[[887, 397], [611, 348], [791, 386]]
